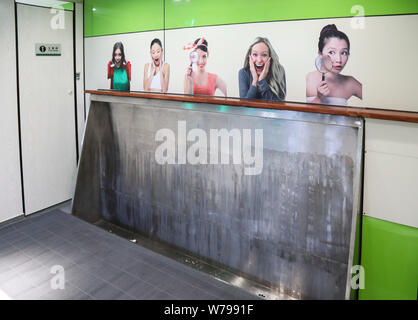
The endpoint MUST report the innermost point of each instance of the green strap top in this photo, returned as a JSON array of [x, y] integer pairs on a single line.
[[120, 79]]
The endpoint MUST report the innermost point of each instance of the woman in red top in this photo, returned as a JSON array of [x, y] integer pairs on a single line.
[[197, 80], [119, 70]]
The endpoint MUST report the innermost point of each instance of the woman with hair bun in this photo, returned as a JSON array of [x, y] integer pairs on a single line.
[[330, 86], [199, 81], [119, 70], [156, 73], [263, 77]]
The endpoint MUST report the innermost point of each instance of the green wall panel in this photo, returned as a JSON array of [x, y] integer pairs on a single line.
[[68, 6], [356, 255], [181, 14], [123, 16], [390, 259], [104, 17]]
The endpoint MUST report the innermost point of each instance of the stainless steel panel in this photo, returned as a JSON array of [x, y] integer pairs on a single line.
[[291, 226]]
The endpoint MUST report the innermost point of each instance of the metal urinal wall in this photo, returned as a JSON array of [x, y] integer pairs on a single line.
[[291, 226]]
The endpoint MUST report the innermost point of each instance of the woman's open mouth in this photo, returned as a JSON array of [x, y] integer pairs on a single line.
[[157, 61], [259, 68]]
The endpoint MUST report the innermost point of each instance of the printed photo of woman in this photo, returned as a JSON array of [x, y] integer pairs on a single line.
[[157, 72], [263, 77], [119, 70], [197, 80], [327, 85]]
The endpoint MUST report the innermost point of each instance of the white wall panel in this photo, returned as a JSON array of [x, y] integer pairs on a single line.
[[386, 71], [10, 186], [391, 171], [99, 53], [388, 76], [394, 137]]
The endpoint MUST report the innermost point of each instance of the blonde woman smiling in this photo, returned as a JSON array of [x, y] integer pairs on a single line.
[[263, 77]]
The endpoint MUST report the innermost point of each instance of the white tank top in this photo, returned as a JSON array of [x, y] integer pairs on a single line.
[[330, 100], [156, 81]]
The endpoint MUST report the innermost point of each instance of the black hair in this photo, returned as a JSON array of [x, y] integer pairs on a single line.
[[203, 46], [156, 41], [331, 31], [118, 45]]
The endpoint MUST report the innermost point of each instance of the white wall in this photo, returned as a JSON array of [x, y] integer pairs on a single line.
[[391, 171], [98, 52], [378, 60], [10, 183]]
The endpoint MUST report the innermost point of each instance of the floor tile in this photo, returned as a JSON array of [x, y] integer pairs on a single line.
[[96, 265], [69, 292], [125, 281], [15, 286], [14, 258], [107, 292]]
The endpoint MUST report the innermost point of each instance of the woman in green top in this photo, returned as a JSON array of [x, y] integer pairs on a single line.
[[118, 70]]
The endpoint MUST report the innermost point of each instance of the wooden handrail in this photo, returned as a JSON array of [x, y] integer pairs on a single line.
[[383, 114]]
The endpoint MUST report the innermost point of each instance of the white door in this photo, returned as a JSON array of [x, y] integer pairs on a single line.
[[10, 185], [46, 85]]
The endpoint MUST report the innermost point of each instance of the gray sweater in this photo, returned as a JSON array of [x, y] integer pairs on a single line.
[[248, 91]]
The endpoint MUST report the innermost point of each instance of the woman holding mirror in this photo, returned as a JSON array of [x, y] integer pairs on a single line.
[[327, 85]]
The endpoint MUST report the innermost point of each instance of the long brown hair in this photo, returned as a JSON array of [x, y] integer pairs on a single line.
[[119, 45]]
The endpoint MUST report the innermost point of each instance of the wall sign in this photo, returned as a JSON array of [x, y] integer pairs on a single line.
[[47, 49]]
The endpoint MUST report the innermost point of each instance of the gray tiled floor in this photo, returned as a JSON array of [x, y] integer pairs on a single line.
[[97, 265]]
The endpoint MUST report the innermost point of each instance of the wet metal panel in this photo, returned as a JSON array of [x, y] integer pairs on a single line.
[[291, 224]]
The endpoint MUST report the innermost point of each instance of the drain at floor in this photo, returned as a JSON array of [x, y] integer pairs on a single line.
[[220, 273]]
